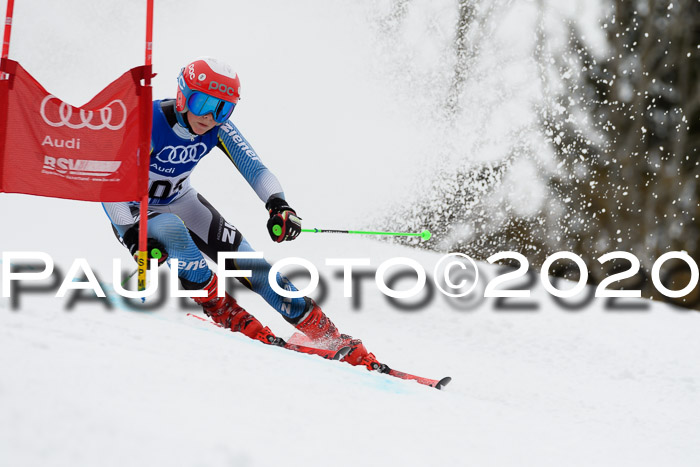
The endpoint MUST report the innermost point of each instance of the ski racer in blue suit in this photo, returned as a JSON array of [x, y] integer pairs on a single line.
[[184, 225]]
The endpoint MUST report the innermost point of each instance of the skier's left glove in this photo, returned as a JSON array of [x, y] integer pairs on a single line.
[[284, 224], [154, 247]]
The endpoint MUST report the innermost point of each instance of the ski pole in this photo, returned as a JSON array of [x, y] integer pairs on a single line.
[[425, 235]]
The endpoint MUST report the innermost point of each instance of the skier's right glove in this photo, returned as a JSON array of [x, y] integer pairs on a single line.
[[284, 224], [154, 247]]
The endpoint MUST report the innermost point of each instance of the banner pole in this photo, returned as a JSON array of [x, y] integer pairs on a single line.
[[5, 88], [149, 38], [144, 151], [8, 29], [6, 36]]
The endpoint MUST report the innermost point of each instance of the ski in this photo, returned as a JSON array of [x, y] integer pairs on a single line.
[[433, 383], [384, 369], [323, 353], [333, 354]]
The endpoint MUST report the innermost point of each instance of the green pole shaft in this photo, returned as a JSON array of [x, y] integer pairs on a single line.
[[425, 235], [129, 277]]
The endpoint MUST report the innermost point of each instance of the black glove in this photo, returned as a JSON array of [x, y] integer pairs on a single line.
[[284, 224], [155, 248]]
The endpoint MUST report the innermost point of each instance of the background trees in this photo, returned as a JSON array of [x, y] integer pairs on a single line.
[[614, 138], [626, 131]]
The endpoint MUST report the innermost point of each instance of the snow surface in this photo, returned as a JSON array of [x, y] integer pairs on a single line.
[[550, 386], [545, 387]]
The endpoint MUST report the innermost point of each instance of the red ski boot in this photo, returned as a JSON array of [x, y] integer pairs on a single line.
[[318, 327], [358, 354], [228, 313], [323, 333]]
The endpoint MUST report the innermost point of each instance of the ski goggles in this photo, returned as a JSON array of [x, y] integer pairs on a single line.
[[201, 104]]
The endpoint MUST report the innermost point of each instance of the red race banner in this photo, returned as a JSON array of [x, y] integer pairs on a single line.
[[90, 153]]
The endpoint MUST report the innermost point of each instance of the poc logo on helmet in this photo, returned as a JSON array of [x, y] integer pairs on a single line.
[[222, 88]]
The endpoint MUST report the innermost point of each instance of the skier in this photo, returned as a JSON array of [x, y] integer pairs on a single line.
[[183, 225]]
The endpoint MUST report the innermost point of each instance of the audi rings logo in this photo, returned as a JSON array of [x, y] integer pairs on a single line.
[[182, 154], [108, 116]]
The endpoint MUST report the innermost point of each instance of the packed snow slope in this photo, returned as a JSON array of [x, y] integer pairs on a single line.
[[537, 384], [546, 386]]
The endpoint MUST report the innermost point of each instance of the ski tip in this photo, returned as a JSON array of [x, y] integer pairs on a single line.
[[443, 382], [340, 354]]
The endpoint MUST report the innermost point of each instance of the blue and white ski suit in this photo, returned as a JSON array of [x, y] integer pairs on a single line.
[[184, 222]]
